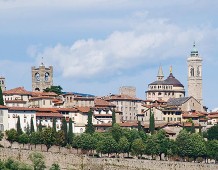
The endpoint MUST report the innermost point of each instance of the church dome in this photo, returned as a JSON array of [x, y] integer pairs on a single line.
[[171, 80]]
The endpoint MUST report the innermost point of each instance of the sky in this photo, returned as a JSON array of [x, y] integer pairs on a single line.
[[97, 46]]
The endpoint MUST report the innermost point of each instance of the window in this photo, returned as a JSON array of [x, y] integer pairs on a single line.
[[192, 72], [43, 102]]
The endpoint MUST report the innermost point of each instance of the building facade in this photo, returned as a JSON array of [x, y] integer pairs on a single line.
[[194, 62], [2, 83], [165, 89]]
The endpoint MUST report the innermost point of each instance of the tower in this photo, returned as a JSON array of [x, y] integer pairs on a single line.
[[42, 77], [160, 74], [195, 75], [2, 83]]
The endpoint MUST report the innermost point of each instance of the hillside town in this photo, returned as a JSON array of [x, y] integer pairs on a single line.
[[166, 99], [169, 125]]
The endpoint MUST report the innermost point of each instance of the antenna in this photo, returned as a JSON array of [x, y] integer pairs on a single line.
[[42, 62]]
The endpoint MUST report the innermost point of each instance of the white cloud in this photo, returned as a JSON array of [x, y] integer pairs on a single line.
[[145, 43]]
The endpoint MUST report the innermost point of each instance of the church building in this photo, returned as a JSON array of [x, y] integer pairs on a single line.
[[164, 89]]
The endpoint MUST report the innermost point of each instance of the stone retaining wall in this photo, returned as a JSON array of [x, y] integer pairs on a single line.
[[79, 162]]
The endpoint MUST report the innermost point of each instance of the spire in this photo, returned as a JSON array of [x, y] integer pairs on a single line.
[[160, 74], [171, 69], [42, 64], [194, 52]]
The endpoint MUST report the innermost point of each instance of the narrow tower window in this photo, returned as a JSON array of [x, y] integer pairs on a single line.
[[192, 71]]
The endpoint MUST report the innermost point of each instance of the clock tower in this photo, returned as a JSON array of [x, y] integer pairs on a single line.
[[42, 77], [194, 62]]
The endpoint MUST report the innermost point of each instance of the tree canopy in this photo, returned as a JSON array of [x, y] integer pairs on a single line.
[[55, 89]]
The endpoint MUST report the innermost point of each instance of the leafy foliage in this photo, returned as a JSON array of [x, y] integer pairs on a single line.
[[12, 135], [23, 139], [138, 147], [19, 130], [107, 146], [152, 123], [48, 137], [64, 129], [38, 161], [31, 126], [70, 132], [212, 133], [55, 167], [113, 117], [1, 97], [55, 89], [90, 128]]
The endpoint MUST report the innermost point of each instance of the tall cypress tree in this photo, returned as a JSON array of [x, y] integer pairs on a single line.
[[152, 123], [19, 130], [64, 128], [32, 126], [40, 126], [54, 124], [139, 126], [70, 132], [89, 127], [1, 97], [113, 117]]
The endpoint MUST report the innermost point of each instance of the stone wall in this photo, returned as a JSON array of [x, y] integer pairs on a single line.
[[72, 161]]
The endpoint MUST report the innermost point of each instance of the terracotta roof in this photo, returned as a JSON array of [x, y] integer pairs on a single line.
[[102, 103], [21, 108], [37, 94], [18, 90], [53, 110], [128, 124], [15, 101], [120, 97], [168, 131], [103, 125], [42, 114], [194, 114], [67, 110], [157, 125], [212, 116], [189, 124], [103, 115], [83, 109], [3, 107]]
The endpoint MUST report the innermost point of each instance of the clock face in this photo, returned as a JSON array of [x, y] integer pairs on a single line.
[[37, 77], [46, 76]]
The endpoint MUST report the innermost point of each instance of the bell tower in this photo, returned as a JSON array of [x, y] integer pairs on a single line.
[[194, 62], [42, 77]]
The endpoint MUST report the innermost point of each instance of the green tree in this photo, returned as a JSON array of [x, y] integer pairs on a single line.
[[1, 97], [138, 147], [35, 138], [38, 161], [107, 146], [31, 126], [184, 145], [19, 130], [212, 149], [152, 123], [40, 126], [198, 147], [123, 145], [162, 143], [89, 127], [12, 135], [139, 126], [143, 136], [48, 137], [152, 145], [60, 139], [64, 128], [77, 142], [28, 129], [55, 89], [113, 117], [87, 142], [70, 132], [55, 166], [212, 133], [23, 139], [54, 124], [1, 135], [193, 128], [116, 132]]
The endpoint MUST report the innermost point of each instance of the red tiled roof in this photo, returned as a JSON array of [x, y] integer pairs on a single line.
[[53, 110], [22, 108], [3, 107], [194, 114], [37, 94], [18, 90], [128, 124], [103, 125], [212, 116], [103, 115], [102, 103], [168, 131], [121, 97], [67, 110], [84, 109], [42, 114], [189, 124]]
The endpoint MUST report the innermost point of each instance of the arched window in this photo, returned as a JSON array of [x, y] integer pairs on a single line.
[[81, 130], [198, 71], [46, 76], [192, 72]]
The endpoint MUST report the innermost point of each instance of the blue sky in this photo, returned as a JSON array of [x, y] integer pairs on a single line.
[[96, 46]]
